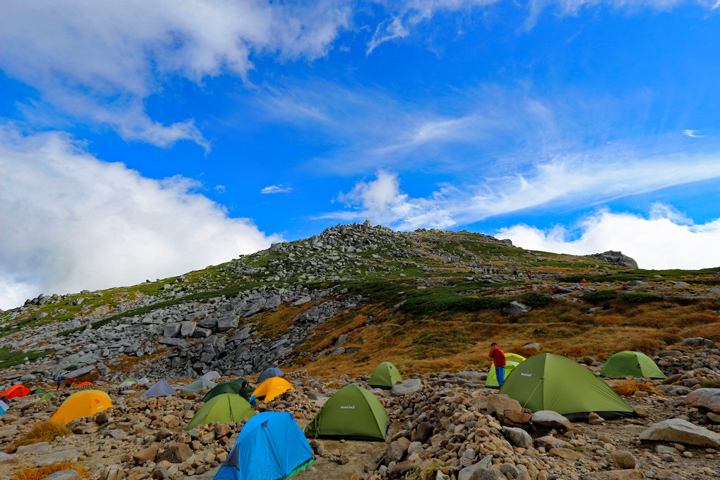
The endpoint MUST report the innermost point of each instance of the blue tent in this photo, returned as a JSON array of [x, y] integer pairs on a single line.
[[159, 389], [269, 373], [270, 446]]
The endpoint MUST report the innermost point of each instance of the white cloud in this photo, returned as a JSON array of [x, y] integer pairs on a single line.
[[99, 61], [71, 221], [275, 189], [655, 243], [692, 134], [573, 180], [382, 201]]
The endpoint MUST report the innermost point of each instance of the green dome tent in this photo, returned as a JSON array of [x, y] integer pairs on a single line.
[[196, 386], [352, 413], [635, 364], [385, 376], [225, 408], [553, 382], [47, 396], [220, 388], [512, 360]]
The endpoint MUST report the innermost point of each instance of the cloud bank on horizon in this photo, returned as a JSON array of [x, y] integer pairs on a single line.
[[145, 139]]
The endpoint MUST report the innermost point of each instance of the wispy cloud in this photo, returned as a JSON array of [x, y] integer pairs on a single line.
[[692, 134], [573, 180], [275, 189]]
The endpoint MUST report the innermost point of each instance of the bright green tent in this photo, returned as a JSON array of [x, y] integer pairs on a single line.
[[47, 396], [225, 408], [196, 386], [635, 364], [512, 360], [385, 376], [352, 413], [221, 388], [553, 382]]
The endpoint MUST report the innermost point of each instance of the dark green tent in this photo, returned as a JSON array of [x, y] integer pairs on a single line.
[[220, 388], [553, 382], [225, 408], [385, 376], [196, 386], [635, 364], [353, 413]]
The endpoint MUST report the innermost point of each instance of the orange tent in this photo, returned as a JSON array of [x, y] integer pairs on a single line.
[[85, 384], [15, 391], [82, 404], [272, 387]]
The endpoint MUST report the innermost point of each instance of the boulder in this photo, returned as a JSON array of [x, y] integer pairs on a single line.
[[146, 455], [566, 453], [498, 404], [423, 432], [680, 431], [550, 419], [175, 453], [614, 475], [227, 323], [467, 472], [396, 450], [63, 475], [488, 474], [548, 442], [623, 459], [171, 330], [706, 398], [63, 456], [515, 308], [411, 385], [187, 329], [698, 341], [518, 437]]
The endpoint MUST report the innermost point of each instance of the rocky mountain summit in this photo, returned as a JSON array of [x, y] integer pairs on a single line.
[[329, 308]]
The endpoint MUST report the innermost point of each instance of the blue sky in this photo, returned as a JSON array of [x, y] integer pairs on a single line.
[[144, 139]]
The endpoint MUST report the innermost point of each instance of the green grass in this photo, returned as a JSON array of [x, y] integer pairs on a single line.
[[645, 275], [9, 358]]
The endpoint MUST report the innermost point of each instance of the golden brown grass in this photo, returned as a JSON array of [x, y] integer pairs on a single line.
[[627, 388], [451, 341], [42, 472], [43, 432]]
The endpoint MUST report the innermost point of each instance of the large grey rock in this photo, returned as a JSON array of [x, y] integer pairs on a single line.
[[255, 307], [62, 456], [468, 472], [681, 431], [411, 385], [4, 457], [227, 323], [516, 308], [518, 437], [34, 448], [550, 419], [171, 330], [616, 258], [63, 475], [472, 376], [704, 397], [187, 329], [488, 474], [698, 341]]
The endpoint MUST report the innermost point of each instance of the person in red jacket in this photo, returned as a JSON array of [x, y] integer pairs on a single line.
[[498, 358]]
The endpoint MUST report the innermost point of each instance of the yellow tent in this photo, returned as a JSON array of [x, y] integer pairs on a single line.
[[272, 387], [82, 404]]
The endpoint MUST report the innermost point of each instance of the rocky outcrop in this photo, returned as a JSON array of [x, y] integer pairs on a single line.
[[616, 258]]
